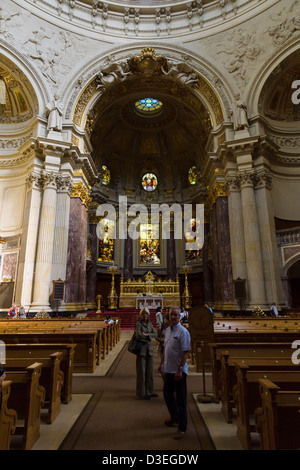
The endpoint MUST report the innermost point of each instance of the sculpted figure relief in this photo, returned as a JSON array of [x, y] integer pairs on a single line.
[[55, 113], [240, 118], [181, 73], [113, 74]]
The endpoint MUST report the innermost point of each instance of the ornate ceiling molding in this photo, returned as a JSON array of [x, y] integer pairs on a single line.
[[133, 18], [145, 72]]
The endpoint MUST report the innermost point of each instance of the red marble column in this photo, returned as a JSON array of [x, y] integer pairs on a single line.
[[91, 275], [75, 289]]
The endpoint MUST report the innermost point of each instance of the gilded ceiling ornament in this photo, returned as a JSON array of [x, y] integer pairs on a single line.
[[147, 63]]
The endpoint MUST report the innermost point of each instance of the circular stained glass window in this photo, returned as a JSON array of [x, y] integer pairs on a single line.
[[149, 182], [148, 105], [105, 175], [192, 175]]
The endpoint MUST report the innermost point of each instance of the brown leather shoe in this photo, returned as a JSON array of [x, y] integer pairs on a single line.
[[171, 423], [179, 435]]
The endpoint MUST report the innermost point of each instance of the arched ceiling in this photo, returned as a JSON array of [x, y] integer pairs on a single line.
[[167, 143], [17, 98], [276, 97]]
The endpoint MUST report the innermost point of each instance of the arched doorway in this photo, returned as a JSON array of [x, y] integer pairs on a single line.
[[294, 284]]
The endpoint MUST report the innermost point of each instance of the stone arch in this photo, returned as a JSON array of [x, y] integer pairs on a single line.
[[269, 67], [21, 68], [290, 262], [82, 93]]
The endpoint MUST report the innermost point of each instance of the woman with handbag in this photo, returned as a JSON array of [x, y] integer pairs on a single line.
[[145, 332]]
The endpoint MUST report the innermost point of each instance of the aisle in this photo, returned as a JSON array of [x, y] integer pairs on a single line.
[[114, 419]]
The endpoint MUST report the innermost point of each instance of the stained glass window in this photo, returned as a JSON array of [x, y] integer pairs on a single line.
[[107, 243], [149, 244], [149, 182], [192, 255], [192, 175], [148, 105], [105, 175]]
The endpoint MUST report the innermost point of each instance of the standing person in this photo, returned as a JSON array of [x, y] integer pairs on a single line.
[[22, 313], [210, 309], [13, 311], [159, 320], [174, 368], [145, 332], [273, 310]]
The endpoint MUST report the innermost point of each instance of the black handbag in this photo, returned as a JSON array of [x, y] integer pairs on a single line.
[[135, 345]]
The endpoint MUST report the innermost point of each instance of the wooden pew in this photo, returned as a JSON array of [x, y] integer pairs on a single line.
[[103, 331], [35, 351], [85, 340], [51, 379], [8, 417], [228, 375], [246, 392], [239, 350], [278, 418], [26, 398]]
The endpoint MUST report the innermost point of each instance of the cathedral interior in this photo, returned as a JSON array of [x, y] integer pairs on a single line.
[[162, 103], [149, 156]]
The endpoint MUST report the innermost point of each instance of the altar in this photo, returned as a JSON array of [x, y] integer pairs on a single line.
[[149, 301], [150, 290]]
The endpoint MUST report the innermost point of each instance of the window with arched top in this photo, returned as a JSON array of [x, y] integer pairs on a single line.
[[149, 182]]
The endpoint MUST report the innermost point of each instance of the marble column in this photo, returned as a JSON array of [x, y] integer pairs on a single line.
[[271, 268], [224, 249], [171, 256], [254, 260], [60, 248], [207, 272], [215, 254], [128, 259], [75, 290], [91, 275], [43, 265], [25, 276], [236, 228]]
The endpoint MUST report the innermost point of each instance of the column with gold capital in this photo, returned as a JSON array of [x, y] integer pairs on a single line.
[[76, 273], [43, 266]]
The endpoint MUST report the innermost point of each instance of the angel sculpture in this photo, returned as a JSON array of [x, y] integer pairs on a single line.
[[113, 74], [181, 73]]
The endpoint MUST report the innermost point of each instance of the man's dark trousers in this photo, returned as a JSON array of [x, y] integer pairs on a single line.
[[175, 395]]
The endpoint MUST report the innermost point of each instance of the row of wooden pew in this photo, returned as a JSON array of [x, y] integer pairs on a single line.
[[41, 357], [258, 384]]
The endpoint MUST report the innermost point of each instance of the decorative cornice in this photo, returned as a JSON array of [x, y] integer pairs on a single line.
[[144, 19], [255, 179]]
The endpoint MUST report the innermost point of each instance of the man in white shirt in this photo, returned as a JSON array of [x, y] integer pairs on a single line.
[[159, 318], [174, 368]]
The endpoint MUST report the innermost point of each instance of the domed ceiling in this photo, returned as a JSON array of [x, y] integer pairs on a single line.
[[16, 94], [276, 97]]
